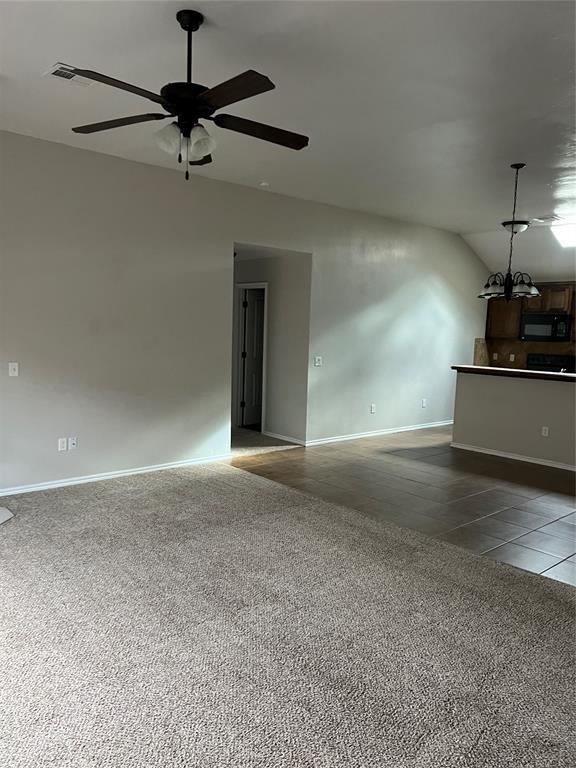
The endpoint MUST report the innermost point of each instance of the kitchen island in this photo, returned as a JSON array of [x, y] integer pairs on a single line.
[[519, 414]]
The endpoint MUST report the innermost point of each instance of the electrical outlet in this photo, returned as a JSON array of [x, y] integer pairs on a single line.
[[373, 408], [318, 361], [512, 358], [62, 444], [424, 402], [72, 443], [494, 355], [13, 369], [545, 431]]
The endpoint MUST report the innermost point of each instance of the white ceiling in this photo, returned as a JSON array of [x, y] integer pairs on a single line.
[[535, 251], [414, 109]]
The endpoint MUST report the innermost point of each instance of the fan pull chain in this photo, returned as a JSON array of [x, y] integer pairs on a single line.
[[180, 150], [187, 174]]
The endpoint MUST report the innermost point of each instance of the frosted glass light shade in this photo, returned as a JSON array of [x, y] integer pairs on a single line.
[[522, 289], [168, 138], [491, 290], [201, 143]]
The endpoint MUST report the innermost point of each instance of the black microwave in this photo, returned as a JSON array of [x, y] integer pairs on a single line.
[[545, 327]]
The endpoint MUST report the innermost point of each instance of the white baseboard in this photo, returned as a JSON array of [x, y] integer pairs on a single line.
[[109, 475], [514, 456], [284, 437], [375, 433], [208, 459]]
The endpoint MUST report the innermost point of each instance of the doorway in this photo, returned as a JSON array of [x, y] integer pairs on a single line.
[[248, 411], [270, 347]]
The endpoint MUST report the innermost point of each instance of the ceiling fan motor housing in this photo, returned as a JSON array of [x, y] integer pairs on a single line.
[[182, 99]]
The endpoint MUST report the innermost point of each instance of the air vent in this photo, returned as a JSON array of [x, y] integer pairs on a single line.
[[65, 72]]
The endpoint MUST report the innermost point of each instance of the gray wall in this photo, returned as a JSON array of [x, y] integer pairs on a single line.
[[288, 277], [393, 306], [116, 299], [503, 414]]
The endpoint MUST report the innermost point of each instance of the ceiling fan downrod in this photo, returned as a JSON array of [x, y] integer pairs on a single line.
[[190, 21]]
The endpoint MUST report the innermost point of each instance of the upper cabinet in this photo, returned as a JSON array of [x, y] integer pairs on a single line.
[[553, 298], [503, 319]]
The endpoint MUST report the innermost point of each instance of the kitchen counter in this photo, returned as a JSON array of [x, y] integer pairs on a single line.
[[520, 373], [515, 413]]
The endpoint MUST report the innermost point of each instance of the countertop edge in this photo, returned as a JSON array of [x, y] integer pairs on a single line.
[[518, 373]]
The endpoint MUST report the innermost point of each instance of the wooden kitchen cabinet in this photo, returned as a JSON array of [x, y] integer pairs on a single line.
[[553, 298], [503, 319], [558, 298], [534, 303]]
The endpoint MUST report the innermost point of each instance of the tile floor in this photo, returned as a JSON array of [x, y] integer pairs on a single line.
[[518, 513]]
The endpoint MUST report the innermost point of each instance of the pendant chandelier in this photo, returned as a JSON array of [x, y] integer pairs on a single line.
[[511, 285]]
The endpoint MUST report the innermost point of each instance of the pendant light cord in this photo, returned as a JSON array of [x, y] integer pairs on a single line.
[[513, 220]]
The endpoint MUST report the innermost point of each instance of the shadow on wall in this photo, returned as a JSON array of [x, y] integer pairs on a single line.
[[396, 350]]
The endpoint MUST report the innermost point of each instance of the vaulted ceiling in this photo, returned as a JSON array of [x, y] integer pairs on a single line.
[[414, 109]]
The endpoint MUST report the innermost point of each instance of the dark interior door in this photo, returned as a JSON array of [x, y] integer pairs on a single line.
[[252, 358]]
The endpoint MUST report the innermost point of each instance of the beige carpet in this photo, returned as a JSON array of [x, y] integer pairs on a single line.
[[209, 618]]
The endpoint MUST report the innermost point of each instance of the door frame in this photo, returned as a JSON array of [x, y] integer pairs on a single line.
[[237, 348]]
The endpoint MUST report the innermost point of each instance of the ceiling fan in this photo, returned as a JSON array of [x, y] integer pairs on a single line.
[[190, 102]]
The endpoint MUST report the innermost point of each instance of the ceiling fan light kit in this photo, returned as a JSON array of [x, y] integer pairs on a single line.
[[511, 285], [186, 103], [169, 138]]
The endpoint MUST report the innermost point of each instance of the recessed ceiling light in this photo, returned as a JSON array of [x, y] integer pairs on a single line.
[[264, 184], [565, 234]]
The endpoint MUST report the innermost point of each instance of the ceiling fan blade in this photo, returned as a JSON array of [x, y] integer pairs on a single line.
[[99, 78], [241, 87], [107, 124], [205, 160], [261, 131]]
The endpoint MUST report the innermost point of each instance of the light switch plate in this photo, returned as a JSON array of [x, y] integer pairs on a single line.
[[72, 443], [318, 361], [62, 444], [13, 369]]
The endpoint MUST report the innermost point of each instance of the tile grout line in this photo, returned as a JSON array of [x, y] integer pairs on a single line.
[[558, 563]]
